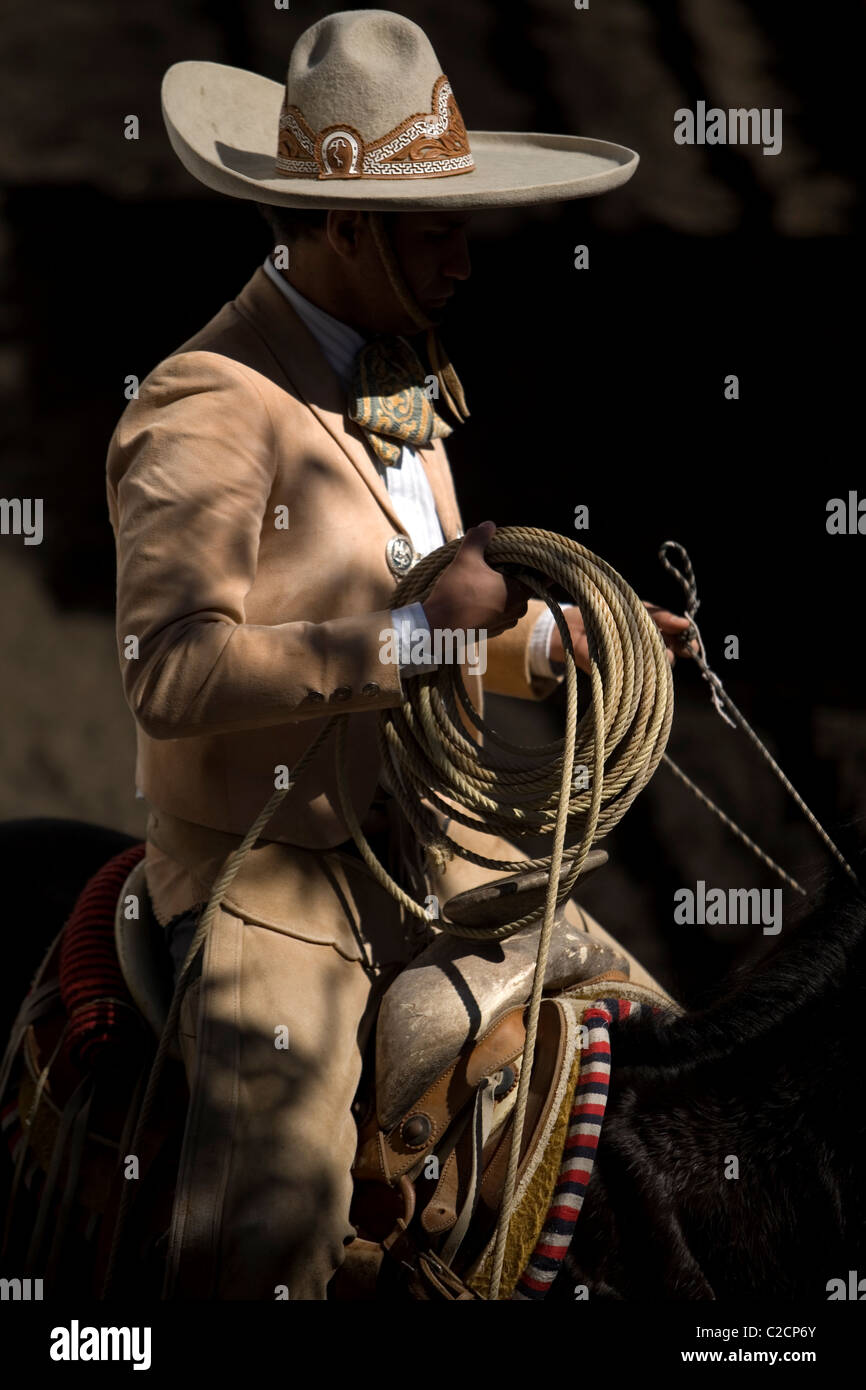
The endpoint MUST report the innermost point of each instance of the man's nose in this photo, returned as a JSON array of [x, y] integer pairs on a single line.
[[459, 266]]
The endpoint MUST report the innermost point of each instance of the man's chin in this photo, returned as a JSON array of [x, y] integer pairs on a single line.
[[436, 309]]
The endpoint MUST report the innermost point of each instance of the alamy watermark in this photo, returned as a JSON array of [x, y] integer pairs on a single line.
[[405, 645], [22, 516], [736, 126], [846, 516], [76, 1343], [854, 1288], [21, 1290], [737, 906]]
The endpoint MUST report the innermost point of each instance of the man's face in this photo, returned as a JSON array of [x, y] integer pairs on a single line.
[[432, 251]]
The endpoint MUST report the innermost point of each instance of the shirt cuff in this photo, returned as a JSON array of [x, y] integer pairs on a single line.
[[409, 624], [540, 663]]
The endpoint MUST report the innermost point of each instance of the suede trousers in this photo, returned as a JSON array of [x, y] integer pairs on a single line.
[[274, 1031]]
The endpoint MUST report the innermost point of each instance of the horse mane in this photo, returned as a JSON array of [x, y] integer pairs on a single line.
[[768, 1073], [818, 955]]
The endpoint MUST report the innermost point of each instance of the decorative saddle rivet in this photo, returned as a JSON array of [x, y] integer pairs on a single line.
[[400, 554], [416, 1131]]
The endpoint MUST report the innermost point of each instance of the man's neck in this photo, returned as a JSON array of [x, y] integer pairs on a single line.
[[332, 300]]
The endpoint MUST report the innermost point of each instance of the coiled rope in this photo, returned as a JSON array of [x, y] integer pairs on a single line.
[[519, 790]]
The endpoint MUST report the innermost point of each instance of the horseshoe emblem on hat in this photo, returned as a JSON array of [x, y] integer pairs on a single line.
[[340, 154]]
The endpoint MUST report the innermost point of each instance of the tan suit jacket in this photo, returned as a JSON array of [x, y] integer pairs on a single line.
[[247, 637], [237, 638]]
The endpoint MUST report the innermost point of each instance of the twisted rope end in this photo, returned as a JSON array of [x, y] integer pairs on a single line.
[[440, 854]]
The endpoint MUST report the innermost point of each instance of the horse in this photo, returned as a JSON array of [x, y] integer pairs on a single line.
[[733, 1150], [728, 1162]]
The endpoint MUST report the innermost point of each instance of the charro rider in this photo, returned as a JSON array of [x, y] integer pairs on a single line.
[[273, 477]]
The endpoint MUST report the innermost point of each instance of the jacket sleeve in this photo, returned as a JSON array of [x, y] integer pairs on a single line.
[[508, 671], [190, 471]]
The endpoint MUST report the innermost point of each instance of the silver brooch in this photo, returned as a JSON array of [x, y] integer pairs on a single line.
[[400, 554]]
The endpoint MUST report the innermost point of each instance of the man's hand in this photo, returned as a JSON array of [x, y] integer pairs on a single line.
[[469, 594], [669, 625]]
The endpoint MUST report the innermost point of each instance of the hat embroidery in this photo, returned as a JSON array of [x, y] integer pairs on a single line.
[[427, 145]]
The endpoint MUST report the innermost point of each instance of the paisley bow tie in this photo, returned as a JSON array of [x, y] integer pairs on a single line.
[[391, 397]]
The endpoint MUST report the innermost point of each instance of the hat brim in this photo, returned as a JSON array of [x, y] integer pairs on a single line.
[[222, 123]]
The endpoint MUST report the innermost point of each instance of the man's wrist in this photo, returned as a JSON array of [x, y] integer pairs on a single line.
[[540, 661], [412, 629]]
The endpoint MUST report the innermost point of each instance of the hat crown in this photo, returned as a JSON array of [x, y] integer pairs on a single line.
[[370, 68]]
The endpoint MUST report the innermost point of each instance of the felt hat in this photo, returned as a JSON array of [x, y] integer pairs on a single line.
[[367, 119]]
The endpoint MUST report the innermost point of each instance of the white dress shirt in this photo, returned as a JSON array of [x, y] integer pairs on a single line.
[[406, 481]]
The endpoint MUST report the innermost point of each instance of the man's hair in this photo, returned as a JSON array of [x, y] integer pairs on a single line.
[[291, 224]]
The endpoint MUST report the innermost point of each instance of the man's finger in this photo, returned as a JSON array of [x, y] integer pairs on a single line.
[[664, 619], [687, 648], [517, 593]]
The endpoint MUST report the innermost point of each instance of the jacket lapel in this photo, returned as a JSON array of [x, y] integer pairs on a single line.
[[438, 472], [307, 370]]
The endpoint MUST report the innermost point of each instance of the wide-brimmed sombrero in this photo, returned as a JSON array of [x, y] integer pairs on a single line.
[[367, 119]]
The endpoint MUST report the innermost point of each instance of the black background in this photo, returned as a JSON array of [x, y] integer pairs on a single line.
[[602, 387]]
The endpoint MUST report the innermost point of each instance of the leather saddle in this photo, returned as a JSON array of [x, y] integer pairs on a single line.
[[436, 1128]]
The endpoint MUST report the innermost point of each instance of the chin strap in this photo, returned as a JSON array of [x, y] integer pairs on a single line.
[[449, 382]]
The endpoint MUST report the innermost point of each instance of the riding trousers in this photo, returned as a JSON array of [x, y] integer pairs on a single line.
[[274, 1032]]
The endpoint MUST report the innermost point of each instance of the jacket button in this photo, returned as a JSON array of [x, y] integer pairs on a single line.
[[371, 688], [315, 697], [343, 692]]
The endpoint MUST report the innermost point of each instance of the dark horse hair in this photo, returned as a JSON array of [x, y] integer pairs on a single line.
[[731, 1157]]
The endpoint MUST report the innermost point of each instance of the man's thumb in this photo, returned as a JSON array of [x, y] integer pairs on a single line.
[[477, 537]]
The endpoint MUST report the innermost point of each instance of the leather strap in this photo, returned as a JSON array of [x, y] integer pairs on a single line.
[[433, 1281], [482, 1122], [549, 1053]]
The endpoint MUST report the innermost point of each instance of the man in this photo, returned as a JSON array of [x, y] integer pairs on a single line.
[[276, 474]]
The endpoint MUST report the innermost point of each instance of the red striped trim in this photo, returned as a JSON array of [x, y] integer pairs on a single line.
[[584, 1131]]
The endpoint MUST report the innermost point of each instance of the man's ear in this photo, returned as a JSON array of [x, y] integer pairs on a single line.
[[343, 230]]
